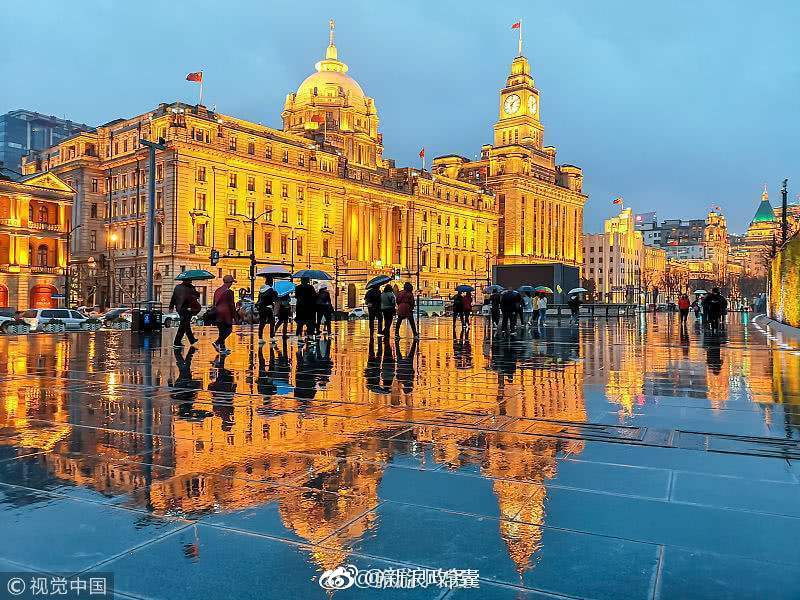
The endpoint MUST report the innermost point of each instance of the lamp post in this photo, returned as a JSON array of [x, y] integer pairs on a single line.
[[784, 216], [420, 245], [67, 289], [336, 262], [151, 210], [112, 283], [253, 218]]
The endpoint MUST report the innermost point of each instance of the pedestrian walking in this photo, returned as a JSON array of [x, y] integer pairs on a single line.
[[574, 304], [494, 303], [510, 302], [324, 309], [185, 301], [467, 309], [405, 310], [458, 309], [305, 310], [713, 305], [542, 309], [373, 301], [388, 308], [265, 309], [527, 309], [224, 310], [683, 309]]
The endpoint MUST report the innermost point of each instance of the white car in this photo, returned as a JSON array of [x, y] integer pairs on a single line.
[[38, 319], [171, 318], [9, 323], [358, 313]]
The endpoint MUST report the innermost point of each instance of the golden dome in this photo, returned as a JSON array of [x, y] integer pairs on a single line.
[[331, 80]]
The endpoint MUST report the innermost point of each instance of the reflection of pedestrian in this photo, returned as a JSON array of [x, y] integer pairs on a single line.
[[324, 309], [264, 383], [185, 301], [305, 386], [405, 310], [373, 301], [222, 390], [185, 385], [405, 366], [388, 308], [387, 366], [372, 370], [225, 309], [305, 310]]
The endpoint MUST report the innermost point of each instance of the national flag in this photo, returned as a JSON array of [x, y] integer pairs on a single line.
[[196, 76], [317, 119], [618, 200], [422, 153], [517, 25]]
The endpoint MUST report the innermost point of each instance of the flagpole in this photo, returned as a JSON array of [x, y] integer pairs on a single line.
[[520, 39], [201, 87]]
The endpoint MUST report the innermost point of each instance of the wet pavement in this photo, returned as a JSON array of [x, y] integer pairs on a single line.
[[618, 459]]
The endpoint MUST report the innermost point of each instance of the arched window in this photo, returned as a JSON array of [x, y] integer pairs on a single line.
[[41, 256], [43, 216]]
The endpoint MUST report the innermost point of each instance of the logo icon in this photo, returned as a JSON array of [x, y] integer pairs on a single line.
[[339, 578], [15, 586]]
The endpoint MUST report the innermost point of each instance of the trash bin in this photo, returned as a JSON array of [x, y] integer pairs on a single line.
[[147, 317]]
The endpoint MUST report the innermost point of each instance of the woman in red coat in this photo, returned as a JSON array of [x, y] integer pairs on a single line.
[[405, 310], [225, 309]]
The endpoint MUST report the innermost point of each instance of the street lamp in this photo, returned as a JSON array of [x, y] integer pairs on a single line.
[[420, 246], [253, 218], [112, 238], [67, 289]]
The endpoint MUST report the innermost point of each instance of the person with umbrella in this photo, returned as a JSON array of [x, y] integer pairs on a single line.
[[510, 302], [494, 302], [224, 309], [324, 308], [527, 308], [574, 308], [266, 299], [305, 307], [284, 305], [542, 308], [467, 308], [388, 308], [186, 302], [405, 310], [458, 309]]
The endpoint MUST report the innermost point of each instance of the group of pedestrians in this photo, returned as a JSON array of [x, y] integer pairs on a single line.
[[383, 306], [462, 309], [313, 310], [710, 310], [510, 305]]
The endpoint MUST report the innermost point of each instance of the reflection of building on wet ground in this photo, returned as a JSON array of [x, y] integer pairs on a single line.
[[316, 431]]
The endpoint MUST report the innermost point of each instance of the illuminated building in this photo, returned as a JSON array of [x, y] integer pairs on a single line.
[[612, 259], [322, 193], [35, 219]]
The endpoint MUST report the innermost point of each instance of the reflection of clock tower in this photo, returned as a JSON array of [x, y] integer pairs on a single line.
[[519, 109]]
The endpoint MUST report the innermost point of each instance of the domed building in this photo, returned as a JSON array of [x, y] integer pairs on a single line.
[[332, 107]]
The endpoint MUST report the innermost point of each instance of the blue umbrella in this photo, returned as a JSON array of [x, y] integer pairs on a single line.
[[312, 274], [465, 288], [491, 289], [283, 287], [526, 288]]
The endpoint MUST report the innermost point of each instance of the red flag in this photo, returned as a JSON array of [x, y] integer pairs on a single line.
[[618, 200], [196, 76], [517, 25], [317, 119], [422, 153]]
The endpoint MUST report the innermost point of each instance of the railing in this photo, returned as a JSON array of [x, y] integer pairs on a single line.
[[45, 226], [45, 269], [11, 221], [593, 310]]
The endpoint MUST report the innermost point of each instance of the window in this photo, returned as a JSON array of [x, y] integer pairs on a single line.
[[41, 256], [268, 242], [251, 148], [301, 160], [284, 242], [232, 239], [326, 221], [93, 210], [159, 171], [284, 190], [93, 240], [201, 173], [95, 184], [124, 180], [43, 217], [300, 217], [299, 246], [251, 184], [159, 200], [232, 180], [284, 215], [200, 201], [249, 242], [200, 234], [268, 151], [268, 187], [231, 206], [285, 156], [325, 248], [301, 194], [232, 143], [326, 198]]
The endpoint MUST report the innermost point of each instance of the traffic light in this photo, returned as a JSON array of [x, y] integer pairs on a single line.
[[214, 257], [396, 273]]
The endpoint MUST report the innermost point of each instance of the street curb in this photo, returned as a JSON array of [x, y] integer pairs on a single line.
[[777, 325]]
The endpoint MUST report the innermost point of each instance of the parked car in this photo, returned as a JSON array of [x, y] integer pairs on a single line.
[[38, 319], [171, 318], [10, 323], [115, 315], [357, 313]]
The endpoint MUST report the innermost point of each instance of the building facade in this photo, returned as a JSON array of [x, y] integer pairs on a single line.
[[319, 192], [35, 221], [23, 131]]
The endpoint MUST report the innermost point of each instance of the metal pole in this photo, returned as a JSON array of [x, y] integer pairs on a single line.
[[419, 250], [784, 218], [151, 212]]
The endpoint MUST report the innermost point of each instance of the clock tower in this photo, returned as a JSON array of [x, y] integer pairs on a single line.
[[518, 122]]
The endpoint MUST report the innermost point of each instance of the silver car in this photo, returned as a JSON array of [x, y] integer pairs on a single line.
[[39, 318]]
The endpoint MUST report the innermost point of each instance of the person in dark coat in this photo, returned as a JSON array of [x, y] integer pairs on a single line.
[[494, 301], [225, 307], [574, 304], [458, 310], [324, 308], [713, 306], [306, 307], [373, 301], [185, 301], [266, 314], [510, 305], [388, 308]]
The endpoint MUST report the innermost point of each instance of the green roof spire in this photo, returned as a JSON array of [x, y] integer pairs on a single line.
[[764, 213]]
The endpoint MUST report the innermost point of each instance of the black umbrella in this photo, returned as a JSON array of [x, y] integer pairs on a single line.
[[378, 280]]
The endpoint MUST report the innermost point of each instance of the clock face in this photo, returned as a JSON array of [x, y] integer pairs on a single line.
[[511, 105], [532, 105]]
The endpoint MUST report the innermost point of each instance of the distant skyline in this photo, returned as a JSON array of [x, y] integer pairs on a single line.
[[676, 108]]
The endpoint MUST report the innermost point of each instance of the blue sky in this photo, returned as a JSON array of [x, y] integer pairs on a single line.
[[676, 106]]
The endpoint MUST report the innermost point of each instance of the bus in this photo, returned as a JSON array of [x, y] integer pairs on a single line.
[[430, 307]]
